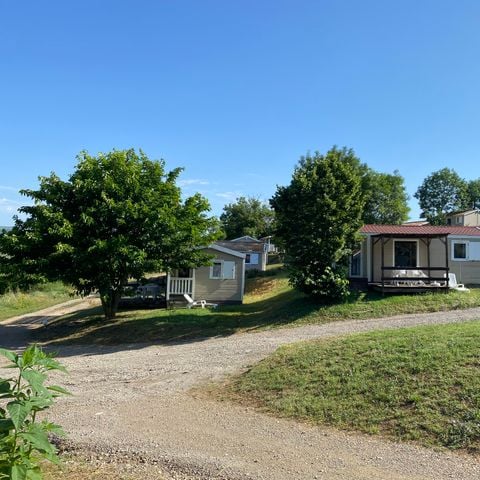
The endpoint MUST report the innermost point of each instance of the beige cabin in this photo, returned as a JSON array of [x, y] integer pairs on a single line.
[[465, 218], [404, 257], [222, 282]]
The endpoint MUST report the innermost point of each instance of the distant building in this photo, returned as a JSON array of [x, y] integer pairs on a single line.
[[464, 218], [416, 223], [256, 251]]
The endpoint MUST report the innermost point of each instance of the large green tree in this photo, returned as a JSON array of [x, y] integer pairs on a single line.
[[247, 216], [318, 216], [119, 215], [442, 192], [385, 196], [386, 200]]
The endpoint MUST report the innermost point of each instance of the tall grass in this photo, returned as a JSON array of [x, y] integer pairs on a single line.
[[42, 296]]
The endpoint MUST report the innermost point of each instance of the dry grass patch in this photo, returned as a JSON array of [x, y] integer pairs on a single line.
[[79, 469]]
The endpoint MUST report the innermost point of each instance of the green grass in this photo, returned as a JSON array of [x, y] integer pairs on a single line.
[[418, 384], [42, 296], [269, 303]]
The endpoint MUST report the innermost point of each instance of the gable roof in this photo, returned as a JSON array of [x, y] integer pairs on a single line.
[[460, 212], [419, 230], [246, 247], [246, 238], [228, 251]]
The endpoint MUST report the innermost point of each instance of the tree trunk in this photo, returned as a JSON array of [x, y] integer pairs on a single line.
[[110, 300]]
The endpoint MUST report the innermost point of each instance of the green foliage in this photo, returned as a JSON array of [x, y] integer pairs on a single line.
[[386, 201], [119, 215], [384, 194], [442, 192], [318, 216], [416, 384], [474, 193], [24, 440], [247, 216]]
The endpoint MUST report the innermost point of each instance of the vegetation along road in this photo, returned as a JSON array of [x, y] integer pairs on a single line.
[[148, 403]]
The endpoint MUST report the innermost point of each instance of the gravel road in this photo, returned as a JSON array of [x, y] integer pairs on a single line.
[[136, 402]]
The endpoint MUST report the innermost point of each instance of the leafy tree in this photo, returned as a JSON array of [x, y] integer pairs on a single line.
[[474, 193], [247, 216], [442, 192], [386, 201], [384, 194], [318, 216], [119, 215]]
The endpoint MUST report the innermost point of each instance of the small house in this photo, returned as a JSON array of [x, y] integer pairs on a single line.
[[222, 282], [464, 218], [255, 251], [414, 257]]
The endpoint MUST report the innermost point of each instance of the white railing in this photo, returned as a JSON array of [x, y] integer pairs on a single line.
[[179, 286]]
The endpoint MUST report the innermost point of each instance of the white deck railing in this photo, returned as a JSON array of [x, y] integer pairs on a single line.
[[179, 286]]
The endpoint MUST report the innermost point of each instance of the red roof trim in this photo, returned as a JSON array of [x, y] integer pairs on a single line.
[[419, 230]]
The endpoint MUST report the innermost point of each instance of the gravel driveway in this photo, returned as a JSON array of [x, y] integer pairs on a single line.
[[135, 402]]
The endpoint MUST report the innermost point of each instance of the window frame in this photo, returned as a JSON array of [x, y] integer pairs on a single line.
[[460, 242], [211, 276], [412, 240], [359, 255]]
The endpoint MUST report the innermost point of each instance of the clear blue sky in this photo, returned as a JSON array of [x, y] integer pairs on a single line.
[[237, 91]]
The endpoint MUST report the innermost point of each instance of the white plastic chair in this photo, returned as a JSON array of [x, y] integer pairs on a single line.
[[452, 283], [191, 303]]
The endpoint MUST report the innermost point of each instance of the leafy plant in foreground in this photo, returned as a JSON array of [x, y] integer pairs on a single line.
[[24, 439]]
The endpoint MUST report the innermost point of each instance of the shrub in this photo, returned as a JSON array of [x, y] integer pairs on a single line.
[[24, 440]]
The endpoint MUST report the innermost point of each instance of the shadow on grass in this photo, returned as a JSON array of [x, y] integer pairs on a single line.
[[139, 328], [173, 326]]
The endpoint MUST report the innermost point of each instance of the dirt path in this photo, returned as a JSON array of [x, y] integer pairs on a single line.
[[16, 332], [136, 401]]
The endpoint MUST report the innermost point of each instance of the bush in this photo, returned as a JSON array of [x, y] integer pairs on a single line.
[[328, 287], [24, 441]]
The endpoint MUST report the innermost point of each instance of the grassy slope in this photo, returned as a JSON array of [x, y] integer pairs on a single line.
[[420, 384], [43, 296], [269, 303]]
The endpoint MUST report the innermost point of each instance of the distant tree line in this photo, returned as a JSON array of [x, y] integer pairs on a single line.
[[443, 192]]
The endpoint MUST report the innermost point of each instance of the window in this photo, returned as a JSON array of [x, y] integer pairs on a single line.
[[251, 258], [460, 251], [463, 251], [222, 270], [216, 270], [459, 220], [355, 264], [247, 258], [405, 252]]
